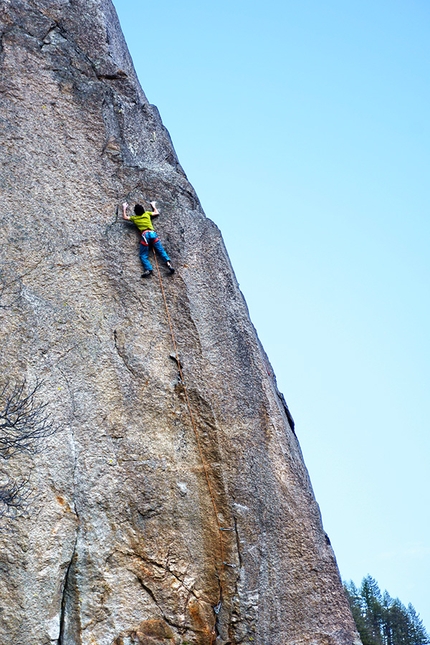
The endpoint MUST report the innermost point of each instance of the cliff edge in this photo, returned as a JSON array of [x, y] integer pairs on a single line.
[[172, 505]]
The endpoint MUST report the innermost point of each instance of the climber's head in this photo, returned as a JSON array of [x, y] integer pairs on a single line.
[[139, 210]]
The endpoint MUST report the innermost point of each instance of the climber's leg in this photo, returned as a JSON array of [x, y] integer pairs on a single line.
[[143, 253], [154, 240], [160, 250]]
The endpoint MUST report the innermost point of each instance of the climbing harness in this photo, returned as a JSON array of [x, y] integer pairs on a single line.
[[144, 240], [206, 468]]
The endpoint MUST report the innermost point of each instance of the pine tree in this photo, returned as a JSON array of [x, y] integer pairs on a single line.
[[373, 612], [382, 620], [356, 604], [418, 634]]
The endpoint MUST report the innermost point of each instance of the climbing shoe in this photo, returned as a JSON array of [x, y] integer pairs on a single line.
[[146, 274], [169, 266]]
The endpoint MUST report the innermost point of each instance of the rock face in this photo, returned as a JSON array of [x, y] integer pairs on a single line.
[[173, 506]]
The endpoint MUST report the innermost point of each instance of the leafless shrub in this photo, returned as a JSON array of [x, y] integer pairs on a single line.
[[24, 423], [23, 420]]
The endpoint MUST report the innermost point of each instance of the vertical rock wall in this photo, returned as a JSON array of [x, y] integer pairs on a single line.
[[170, 508]]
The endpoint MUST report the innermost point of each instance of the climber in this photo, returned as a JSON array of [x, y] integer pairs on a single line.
[[149, 238]]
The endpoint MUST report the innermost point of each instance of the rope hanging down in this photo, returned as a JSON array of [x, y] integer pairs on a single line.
[[205, 465]]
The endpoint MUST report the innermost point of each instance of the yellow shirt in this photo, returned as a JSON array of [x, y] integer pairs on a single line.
[[143, 222]]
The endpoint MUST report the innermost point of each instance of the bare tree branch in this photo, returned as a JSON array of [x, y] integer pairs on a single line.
[[13, 497], [23, 420], [24, 423]]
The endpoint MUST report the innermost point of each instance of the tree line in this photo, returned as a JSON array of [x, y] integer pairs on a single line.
[[382, 620]]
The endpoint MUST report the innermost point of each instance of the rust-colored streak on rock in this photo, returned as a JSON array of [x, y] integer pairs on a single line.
[[202, 624]]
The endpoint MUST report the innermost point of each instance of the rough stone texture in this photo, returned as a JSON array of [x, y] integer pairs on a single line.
[[122, 542]]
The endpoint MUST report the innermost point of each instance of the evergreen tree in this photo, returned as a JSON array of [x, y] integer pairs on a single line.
[[373, 611], [418, 634], [356, 604], [382, 620]]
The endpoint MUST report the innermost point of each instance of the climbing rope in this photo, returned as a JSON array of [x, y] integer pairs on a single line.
[[206, 468]]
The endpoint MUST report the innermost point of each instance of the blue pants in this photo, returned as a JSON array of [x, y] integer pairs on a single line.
[[151, 239]]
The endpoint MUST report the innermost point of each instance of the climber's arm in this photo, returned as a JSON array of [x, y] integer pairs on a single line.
[[155, 211]]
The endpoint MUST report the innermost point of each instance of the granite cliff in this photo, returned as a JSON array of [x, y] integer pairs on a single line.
[[172, 505]]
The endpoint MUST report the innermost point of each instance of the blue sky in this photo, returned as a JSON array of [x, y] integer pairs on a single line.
[[304, 127]]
